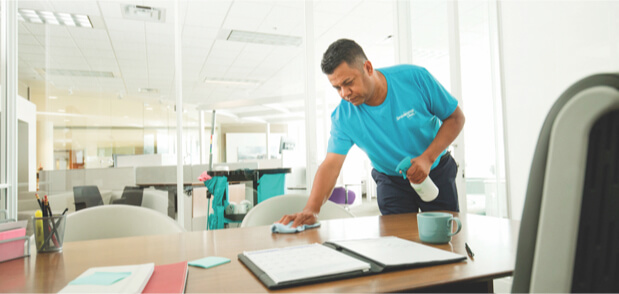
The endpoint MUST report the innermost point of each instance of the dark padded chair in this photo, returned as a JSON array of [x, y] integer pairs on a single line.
[[569, 233], [131, 196], [86, 196]]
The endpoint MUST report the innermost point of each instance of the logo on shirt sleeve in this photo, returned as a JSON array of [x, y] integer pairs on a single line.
[[407, 114]]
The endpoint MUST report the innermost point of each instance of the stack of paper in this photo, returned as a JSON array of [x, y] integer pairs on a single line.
[[168, 278], [12, 249], [141, 278], [112, 279]]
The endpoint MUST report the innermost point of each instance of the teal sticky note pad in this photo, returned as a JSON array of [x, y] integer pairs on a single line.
[[100, 278], [209, 262]]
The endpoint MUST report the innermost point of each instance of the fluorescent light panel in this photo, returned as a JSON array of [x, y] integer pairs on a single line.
[[221, 81], [262, 38], [57, 18], [78, 73]]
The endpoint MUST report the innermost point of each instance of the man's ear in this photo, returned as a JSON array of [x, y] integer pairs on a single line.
[[367, 66]]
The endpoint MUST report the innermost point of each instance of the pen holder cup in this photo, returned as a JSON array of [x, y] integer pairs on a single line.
[[49, 233]]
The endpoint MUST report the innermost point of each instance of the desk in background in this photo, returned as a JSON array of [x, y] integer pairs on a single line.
[[492, 239]]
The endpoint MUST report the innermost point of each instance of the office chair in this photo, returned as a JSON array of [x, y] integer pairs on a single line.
[[341, 195], [272, 209], [117, 221], [86, 196], [569, 233], [131, 196]]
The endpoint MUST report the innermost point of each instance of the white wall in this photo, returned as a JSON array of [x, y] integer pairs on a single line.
[[548, 46], [27, 112]]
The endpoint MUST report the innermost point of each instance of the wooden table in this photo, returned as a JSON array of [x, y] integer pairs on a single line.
[[493, 240]]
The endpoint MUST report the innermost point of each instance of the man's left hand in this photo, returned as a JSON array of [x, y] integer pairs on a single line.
[[419, 170]]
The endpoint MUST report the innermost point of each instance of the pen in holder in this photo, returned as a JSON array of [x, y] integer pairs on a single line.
[[49, 232]]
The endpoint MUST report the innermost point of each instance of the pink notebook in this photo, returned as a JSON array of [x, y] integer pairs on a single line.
[[14, 249], [168, 278]]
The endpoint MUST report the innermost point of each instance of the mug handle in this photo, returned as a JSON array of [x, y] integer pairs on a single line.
[[457, 220]]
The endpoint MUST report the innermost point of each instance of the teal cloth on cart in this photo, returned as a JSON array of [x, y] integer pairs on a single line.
[[218, 186], [270, 185]]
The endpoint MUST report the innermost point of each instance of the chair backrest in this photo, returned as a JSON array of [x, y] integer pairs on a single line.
[[339, 196], [156, 200], [117, 221], [86, 196], [568, 232], [133, 195], [272, 209]]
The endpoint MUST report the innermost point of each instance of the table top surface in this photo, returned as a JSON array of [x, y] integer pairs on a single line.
[[493, 240]]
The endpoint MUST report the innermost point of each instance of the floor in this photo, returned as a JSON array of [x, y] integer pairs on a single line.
[[365, 208]]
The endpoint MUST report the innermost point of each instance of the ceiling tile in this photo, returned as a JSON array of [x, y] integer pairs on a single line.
[[129, 36], [77, 7], [243, 23], [89, 34], [207, 13], [93, 44], [31, 49], [110, 9], [94, 54], [35, 5], [27, 39], [134, 73], [282, 20], [130, 47], [244, 8], [199, 32], [165, 30]]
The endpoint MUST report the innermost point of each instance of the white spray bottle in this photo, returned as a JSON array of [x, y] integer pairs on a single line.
[[426, 190]]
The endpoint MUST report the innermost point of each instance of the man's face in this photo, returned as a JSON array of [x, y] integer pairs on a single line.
[[352, 83]]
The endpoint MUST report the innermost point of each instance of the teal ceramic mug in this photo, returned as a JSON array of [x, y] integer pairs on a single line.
[[437, 227]]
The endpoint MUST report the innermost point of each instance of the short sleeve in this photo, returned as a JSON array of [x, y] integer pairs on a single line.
[[441, 103], [339, 142]]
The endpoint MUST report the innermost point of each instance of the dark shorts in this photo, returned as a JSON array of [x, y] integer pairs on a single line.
[[395, 194]]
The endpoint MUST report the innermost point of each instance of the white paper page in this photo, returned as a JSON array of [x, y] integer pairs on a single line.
[[392, 251], [306, 261], [135, 283]]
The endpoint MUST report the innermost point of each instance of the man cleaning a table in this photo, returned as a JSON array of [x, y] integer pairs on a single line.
[[400, 116]]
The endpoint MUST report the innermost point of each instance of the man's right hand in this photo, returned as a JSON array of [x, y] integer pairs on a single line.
[[304, 217]]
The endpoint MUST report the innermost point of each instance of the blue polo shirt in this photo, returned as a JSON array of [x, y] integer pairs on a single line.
[[403, 125]]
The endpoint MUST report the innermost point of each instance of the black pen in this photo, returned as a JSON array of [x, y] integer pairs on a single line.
[[468, 250]]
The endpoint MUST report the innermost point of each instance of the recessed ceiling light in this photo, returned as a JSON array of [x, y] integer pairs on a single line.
[[148, 90], [57, 18], [239, 82], [60, 110], [263, 38], [144, 13], [77, 73], [149, 108], [52, 97]]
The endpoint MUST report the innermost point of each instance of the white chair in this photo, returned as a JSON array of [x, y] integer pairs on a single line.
[[568, 233], [117, 221], [272, 209], [156, 200]]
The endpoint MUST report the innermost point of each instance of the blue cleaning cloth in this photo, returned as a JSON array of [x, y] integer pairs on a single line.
[[403, 166], [287, 229], [270, 185], [218, 186]]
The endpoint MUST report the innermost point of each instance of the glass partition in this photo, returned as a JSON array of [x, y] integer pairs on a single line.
[[100, 75]]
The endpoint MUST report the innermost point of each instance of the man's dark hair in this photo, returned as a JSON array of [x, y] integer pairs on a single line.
[[342, 50]]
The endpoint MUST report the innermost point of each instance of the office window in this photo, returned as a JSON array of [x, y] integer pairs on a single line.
[[371, 25], [483, 143], [101, 77]]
